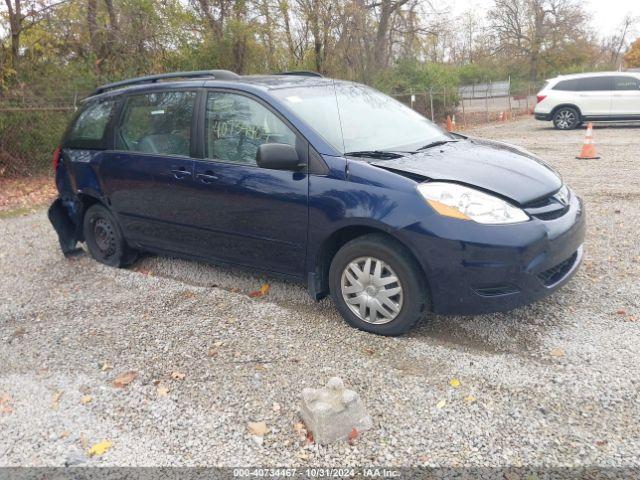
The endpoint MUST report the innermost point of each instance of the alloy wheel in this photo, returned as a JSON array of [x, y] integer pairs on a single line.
[[372, 290], [566, 119]]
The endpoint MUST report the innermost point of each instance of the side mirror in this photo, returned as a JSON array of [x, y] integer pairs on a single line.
[[277, 156]]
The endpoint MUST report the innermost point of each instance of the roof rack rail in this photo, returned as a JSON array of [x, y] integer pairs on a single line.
[[302, 73], [216, 74]]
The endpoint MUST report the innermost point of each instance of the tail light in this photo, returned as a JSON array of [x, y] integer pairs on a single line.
[[56, 157], [540, 97]]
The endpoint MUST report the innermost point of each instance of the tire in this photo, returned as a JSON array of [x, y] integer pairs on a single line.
[[104, 238], [393, 259], [566, 118]]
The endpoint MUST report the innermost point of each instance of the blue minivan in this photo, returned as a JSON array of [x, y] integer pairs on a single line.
[[325, 182]]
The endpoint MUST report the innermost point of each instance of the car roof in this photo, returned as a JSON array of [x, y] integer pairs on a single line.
[[592, 74], [262, 82]]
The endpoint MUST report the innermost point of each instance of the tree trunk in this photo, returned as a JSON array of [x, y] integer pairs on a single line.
[[15, 26]]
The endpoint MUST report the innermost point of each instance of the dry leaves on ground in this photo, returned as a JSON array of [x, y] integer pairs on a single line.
[[125, 379], [5, 403], [26, 192], [557, 352], [264, 289], [259, 429], [100, 448], [178, 375]]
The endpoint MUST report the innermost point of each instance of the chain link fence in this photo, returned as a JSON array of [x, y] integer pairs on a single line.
[[28, 137], [473, 104], [31, 129]]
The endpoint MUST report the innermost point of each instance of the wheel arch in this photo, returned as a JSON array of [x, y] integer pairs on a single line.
[[565, 105], [319, 279]]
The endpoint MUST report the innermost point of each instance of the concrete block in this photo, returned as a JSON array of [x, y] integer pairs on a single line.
[[332, 412]]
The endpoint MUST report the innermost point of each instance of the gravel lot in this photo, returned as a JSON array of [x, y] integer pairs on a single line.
[[555, 383]]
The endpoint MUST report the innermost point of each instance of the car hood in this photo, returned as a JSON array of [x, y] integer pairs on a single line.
[[505, 169]]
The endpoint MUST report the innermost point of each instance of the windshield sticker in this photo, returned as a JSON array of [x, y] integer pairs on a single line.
[[294, 99]]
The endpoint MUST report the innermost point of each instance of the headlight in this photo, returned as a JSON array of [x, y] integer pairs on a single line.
[[457, 201]]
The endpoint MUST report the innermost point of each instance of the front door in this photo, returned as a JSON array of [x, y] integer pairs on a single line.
[[148, 177], [246, 214]]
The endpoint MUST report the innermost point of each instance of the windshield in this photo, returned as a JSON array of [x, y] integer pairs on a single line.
[[370, 120]]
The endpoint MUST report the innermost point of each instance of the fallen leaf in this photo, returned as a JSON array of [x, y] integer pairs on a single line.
[[276, 407], [55, 399], [369, 350], [299, 427], [264, 289], [454, 382], [86, 399], [100, 448], [104, 366], [309, 439], [259, 429], [4, 398], [64, 434], [188, 294], [469, 399], [177, 375], [557, 352], [441, 404], [162, 390], [353, 434], [622, 311], [601, 443], [125, 379], [213, 352]]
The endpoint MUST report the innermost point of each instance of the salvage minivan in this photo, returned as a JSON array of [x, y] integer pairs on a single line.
[[324, 182]]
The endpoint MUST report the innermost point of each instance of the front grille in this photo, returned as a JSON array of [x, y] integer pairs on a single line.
[[558, 272], [549, 208]]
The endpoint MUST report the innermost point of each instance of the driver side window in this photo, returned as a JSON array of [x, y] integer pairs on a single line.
[[235, 126]]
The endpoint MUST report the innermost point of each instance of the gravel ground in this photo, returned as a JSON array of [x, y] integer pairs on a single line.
[[555, 383]]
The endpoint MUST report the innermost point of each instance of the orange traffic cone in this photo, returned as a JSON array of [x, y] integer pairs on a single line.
[[588, 151], [449, 124]]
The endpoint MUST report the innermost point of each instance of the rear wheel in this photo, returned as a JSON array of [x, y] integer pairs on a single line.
[[376, 285], [566, 118], [104, 238]]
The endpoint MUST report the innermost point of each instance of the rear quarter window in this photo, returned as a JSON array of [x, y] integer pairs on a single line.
[[88, 129], [567, 86]]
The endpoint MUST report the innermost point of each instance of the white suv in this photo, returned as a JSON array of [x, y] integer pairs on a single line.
[[569, 100]]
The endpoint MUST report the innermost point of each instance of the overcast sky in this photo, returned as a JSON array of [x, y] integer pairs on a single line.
[[606, 15]]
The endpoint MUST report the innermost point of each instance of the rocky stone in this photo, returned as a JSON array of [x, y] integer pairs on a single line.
[[332, 412]]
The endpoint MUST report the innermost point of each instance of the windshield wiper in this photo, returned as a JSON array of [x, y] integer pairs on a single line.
[[437, 143], [380, 154]]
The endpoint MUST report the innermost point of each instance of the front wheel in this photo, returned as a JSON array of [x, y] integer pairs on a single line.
[[377, 286], [104, 238], [566, 118]]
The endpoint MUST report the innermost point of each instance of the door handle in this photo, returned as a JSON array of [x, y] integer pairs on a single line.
[[180, 173], [206, 177]]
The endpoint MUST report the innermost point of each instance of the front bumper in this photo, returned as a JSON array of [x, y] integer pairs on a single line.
[[484, 269], [542, 116]]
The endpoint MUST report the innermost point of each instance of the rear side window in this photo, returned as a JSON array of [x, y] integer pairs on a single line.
[[157, 123], [594, 84], [567, 85], [626, 83], [89, 127]]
